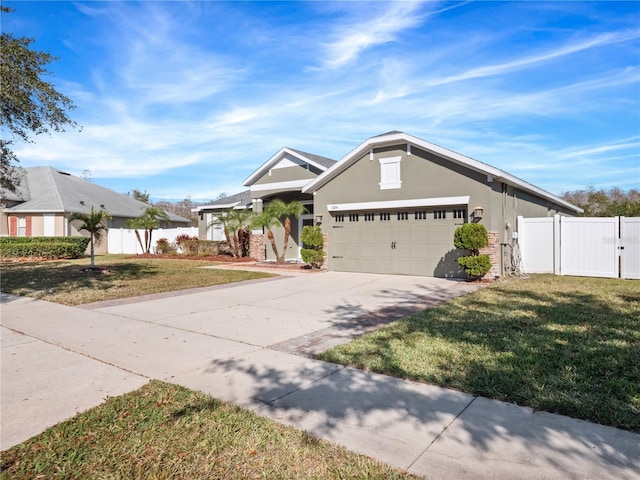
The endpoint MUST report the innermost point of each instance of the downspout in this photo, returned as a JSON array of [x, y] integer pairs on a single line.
[[505, 251]]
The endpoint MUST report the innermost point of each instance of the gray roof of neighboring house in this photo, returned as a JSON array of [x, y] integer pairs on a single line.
[[237, 199], [46, 189], [324, 161]]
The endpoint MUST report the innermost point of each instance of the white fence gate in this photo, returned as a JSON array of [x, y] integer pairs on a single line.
[[123, 240], [589, 247], [630, 255]]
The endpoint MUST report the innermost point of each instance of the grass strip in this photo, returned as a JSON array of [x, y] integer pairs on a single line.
[[163, 431], [566, 345], [65, 281]]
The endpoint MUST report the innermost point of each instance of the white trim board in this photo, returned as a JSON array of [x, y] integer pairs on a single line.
[[279, 185], [274, 160], [414, 202]]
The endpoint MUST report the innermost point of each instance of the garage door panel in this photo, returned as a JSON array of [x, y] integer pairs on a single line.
[[412, 247]]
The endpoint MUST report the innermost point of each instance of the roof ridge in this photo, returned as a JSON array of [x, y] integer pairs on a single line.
[[55, 185]]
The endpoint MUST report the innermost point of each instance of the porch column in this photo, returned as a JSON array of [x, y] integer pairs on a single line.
[[493, 250], [256, 246]]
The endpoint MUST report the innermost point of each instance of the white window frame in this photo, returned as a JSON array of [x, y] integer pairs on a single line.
[[390, 173], [21, 227]]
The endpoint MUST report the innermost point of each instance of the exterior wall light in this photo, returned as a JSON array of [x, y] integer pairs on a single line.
[[478, 212], [318, 219]]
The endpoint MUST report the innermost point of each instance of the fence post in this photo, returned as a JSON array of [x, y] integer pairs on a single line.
[[557, 270]]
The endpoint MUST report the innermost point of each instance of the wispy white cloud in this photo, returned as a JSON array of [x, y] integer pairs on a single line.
[[168, 109], [352, 38], [527, 62]]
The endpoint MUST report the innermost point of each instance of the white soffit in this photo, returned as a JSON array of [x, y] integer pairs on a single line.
[[414, 202], [216, 207], [279, 185]]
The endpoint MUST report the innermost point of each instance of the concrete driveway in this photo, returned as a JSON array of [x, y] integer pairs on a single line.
[[253, 343], [58, 360]]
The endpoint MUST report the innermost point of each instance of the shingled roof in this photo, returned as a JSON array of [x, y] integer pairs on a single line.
[[48, 190], [237, 200]]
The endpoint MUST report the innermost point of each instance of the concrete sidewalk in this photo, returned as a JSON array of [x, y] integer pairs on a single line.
[[229, 342]]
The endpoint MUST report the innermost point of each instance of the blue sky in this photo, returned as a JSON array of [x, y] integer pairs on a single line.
[[187, 99]]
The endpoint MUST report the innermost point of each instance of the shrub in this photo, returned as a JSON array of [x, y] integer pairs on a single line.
[[473, 237], [189, 246], [208, 247], [475, 266], [312, 239], [43, 247], [164, 246]]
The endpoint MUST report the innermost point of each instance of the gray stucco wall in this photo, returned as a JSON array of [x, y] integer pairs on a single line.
[[287, 174], [425, 175]]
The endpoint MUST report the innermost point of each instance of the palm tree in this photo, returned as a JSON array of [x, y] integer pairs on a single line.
[[267, 220], [135, 224], [92, 223], [232, 221], [239, 219], [287, 210], [149, 220]]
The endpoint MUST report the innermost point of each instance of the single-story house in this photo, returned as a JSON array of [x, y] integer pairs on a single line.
[[392, 204], [208, 228], [45, 199]]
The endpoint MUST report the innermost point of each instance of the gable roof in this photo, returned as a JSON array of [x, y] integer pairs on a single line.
[[48, 190], [321, 163], [395, 137], [237, 200]]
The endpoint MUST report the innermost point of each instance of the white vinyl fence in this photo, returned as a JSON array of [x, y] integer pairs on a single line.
[[123, 240], [588, 247]]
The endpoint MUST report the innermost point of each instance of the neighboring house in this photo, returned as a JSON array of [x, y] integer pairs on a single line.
[[46, 197], [208, 228], [392, 205]]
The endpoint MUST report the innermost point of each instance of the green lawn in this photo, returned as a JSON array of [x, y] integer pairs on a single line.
[[64, 281], [163, 431], [560, 344]]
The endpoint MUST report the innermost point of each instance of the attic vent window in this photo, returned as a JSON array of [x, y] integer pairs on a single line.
[[390, 173]]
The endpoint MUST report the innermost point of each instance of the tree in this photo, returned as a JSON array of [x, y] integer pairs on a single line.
[[148, 221], [136, 224], [472, 237], [93, 223], [28, 104], [233, 222], [287, 210], [606, 203], [139, 195], [268, 220]]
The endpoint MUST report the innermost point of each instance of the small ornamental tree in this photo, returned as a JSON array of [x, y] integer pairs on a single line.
[[94, 224], [312, 240], [472, 237]]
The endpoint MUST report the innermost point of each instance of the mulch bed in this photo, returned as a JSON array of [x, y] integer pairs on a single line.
[[209, 258]]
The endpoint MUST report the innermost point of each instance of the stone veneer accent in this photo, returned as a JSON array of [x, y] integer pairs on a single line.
[[325, 250], [493, 250], [256, 247]]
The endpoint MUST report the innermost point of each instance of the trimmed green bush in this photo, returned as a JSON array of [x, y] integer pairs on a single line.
[[39, 239], [473, 237], [475, 266], [312, 238], [43, 247]]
